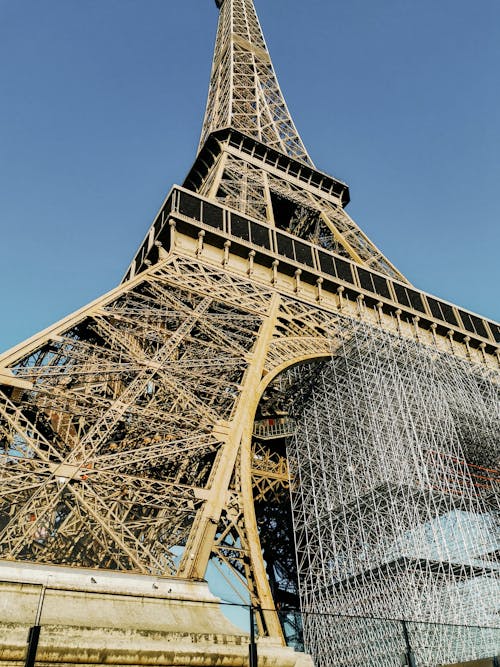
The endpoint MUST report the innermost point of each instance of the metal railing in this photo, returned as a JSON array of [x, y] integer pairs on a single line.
[[344, 641], [274, 427]]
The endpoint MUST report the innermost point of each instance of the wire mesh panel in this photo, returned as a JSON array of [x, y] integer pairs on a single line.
[[433, 643], [378, 642], [354, 641]]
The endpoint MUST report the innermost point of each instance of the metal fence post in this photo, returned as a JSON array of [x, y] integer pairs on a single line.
[[410, 657], [33, 639], [34, 633], [252, 648]]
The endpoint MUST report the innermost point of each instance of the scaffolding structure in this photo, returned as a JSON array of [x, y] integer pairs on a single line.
[[395, 501]]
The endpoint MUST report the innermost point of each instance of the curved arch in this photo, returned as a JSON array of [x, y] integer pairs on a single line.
[[313, 348]]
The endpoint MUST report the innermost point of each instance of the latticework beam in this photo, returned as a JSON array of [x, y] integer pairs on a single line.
[[244, 92]]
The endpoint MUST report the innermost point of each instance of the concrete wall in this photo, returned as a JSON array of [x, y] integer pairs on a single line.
[[91, 617]]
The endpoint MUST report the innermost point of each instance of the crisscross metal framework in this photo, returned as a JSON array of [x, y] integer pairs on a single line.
[[244, 92], [127, 434]]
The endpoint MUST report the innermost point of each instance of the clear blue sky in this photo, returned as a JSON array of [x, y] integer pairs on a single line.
[[101, 109]]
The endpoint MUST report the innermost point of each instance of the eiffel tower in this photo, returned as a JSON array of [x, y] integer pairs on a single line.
[[265, 391]]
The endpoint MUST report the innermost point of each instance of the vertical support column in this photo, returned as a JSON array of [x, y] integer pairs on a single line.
[[267, 196], [398, 314], [297, 275], [450, 335], [340, 291], [433, 328], [253, 659], [319, 289], [200, 543], [275, 265], [212, 193], [410, 657], [34, 632], [171, 224], [360, 302], [201, 236], [467, 346], [415, 321], [251, 259], [33, 639], [227, 245]]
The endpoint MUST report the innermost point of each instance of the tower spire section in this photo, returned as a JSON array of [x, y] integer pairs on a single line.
[[244, 92]]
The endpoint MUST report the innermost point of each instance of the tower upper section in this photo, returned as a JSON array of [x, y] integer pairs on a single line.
[[244, 92]]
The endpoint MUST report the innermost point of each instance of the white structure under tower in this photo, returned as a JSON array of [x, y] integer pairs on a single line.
[[395, 462]]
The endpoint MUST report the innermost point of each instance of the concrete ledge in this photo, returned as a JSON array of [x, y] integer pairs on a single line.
[[95, 646], [91, 617], [104, 581]]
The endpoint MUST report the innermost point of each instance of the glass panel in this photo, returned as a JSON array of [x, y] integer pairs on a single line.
[[343, 270], [327, 264], [381, 286], [190, 206], [239, 227], [495, 329], [212, 215], [401, 295], [415, 300], [285, 246], [448, 314], [303, 253], [473, 324], [260, 235], [365, 279]]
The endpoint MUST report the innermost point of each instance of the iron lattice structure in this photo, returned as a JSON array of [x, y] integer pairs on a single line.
[[244, 92], [244, 95], [146, 432]]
